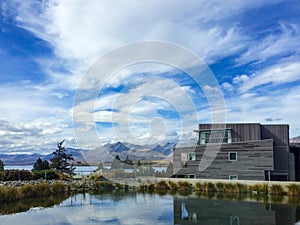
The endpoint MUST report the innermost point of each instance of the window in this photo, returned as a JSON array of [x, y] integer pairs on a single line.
[[234, 220], [192, 176], [233, 177], [232, 156], [215, 136], [192, 156]]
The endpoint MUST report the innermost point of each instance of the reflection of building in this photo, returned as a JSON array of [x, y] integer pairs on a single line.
[[250, 151], [214, 211]]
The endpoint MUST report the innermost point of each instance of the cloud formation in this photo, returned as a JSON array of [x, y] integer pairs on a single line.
[[256, 64]]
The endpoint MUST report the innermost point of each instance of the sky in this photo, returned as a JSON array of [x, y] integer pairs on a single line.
[[48, 48]]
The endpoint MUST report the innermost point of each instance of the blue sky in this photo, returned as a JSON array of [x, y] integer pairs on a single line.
[[47, 47]]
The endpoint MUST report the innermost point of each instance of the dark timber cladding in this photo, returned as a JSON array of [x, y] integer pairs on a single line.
[[253, 159], [250, 151]]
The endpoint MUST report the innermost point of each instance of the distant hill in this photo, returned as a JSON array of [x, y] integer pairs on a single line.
[[295, 139], [104, 153]]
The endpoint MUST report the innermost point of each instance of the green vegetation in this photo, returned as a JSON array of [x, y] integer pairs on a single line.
[[294, 189], [61, 160], [277, 189], [258, 189], [32, 191], [1, 165], [9, 175], [46, 174], [41, 165]]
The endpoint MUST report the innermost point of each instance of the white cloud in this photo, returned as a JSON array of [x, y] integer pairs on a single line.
[[81, 32], [275, 44], [275, 75]]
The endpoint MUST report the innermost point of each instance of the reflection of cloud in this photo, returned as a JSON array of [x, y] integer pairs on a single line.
[[139, 209]]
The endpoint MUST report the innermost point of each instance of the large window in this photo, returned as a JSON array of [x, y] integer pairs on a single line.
[[215, 136]]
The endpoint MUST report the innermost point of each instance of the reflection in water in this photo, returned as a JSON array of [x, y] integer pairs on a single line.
[[136, 208], [26, 204], [216, 211]]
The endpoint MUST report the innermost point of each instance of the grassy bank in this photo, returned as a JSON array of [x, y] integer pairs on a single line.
[[255, 190], [259, 189], [33, 191]]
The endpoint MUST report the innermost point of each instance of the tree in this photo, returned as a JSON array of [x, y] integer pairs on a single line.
[[116, 164], [61, 159], [46, 165], [1, 165], [100, 166], [40, 165]]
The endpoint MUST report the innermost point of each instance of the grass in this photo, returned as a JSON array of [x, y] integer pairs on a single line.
[[32, 191], [294, 189], [277, 189], [259, 189]]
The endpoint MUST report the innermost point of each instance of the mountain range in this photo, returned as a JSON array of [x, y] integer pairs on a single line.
[[104, 153]]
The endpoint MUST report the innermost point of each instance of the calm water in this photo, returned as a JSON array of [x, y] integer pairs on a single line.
[[147, 209], [82, 170]]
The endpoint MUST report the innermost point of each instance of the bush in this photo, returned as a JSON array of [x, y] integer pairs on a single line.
[[162, 185], [10, 175], [211, 187], [50, 174], [103, 186], [259, 189], [277, 189], [241, 188], [220, 187], [173, 186], [202, 187], [27, 191], [59, 188], [42, 190], [294, 189], [185, 186]]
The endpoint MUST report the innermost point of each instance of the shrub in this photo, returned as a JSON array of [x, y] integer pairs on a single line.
[[185, 186], [42, 189], [162, 185], [59, 188], [230, 188], [241, 188], [277, 189], [173, 186], [11, 194], [294, 189], [211, 187], [220, 187], [50, 174], [27, 191], [202, 187], [103, 186], [259, 189], [9, 175]]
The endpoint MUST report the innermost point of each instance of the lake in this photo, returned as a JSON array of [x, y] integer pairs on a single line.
[[83, 170], [138, 208]]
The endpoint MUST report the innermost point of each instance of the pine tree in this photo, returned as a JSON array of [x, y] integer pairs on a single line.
[[61, 159], [1, 165], [38, 165], [116, 164]]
